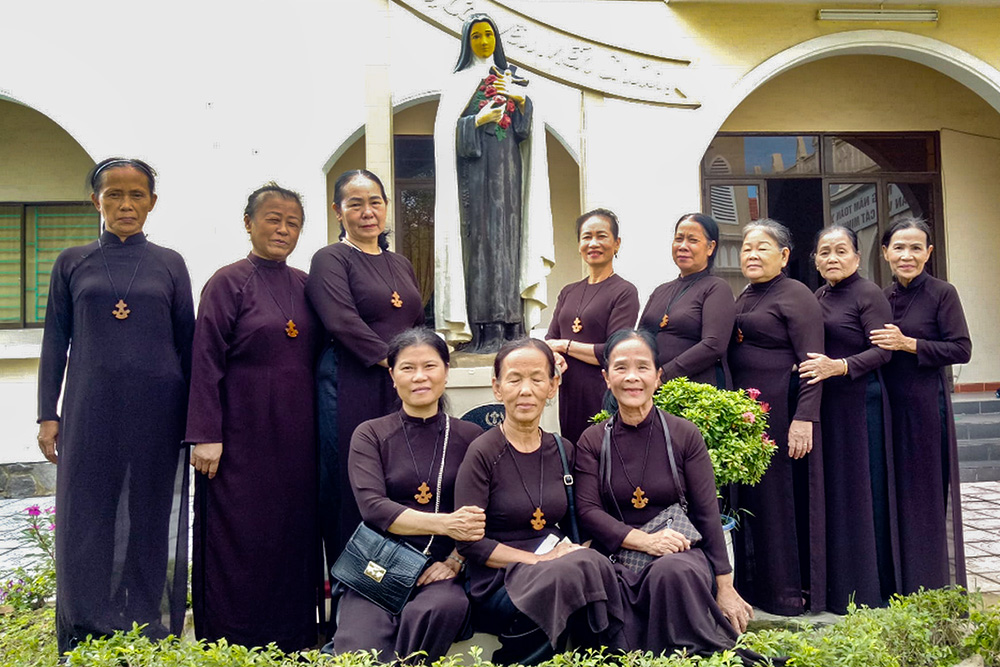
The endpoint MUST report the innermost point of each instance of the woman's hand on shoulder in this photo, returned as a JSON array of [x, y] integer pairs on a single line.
[[48, 434], [666, 541], [734, 608], [205, 457], [466, 524], [800, 438], [436, 571]]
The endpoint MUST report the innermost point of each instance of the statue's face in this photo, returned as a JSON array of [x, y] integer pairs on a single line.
[[482, 40]]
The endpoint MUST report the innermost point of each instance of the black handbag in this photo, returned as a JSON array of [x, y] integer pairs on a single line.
[[382, 569], [674, 517]]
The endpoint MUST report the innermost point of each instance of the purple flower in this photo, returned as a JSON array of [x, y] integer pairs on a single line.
[[34, 511], [52, 526]]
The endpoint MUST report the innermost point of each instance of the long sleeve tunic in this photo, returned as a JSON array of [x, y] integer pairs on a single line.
[[692, 319], [862, 550], [923, 431], [603, 308], [252, 389], [120, 488], [781, 544]]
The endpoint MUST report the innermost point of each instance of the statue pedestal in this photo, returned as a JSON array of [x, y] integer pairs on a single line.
[[470, 386]]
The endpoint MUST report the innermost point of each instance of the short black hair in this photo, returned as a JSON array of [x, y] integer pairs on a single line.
[[605, 213], [520, 343], [95, 180], [710, 227], [623, 335], [338, 195], [851, 235], [909, 222], [271, 188]]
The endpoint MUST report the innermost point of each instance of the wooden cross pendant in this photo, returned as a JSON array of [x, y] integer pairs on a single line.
[[538, 522], [739, 335], [663, 322], [396, 301], [577, 325], [639, 499], [290, 329], [424, 496], [121, 310]]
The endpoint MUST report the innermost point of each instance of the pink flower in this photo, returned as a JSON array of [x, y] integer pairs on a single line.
[[765, 407], [34, 511], [504, 122], [753, 393], [749, 418], [490, 91], [490, 79], [482, 88], [510, 105], [52, 526], [482, 103]]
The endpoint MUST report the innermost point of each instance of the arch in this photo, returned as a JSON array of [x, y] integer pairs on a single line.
[[65, 127], [977, 75]]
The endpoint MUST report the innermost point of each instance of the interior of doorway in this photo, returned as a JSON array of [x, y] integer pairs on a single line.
[[798, 204]]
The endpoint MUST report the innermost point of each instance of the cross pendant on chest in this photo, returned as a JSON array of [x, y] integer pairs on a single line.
[[121, 310], [663, 322], [639, 499], [577, 325], [538, 522], [290, 329], [739, 335], [396, 301], [424, 496]]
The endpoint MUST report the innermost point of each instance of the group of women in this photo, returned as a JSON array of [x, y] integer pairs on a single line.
[[279, 360]]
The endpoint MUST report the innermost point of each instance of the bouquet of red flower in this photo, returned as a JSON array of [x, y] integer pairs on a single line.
[[488, 94]]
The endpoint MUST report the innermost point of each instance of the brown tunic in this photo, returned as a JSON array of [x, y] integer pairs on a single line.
[[693, 342], [669, 604], [549, 592], [603, 309], [384, 480], [781, 542]]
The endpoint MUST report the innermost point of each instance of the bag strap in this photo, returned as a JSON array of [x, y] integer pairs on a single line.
[[604, 468], [670, 457], [574, 532]]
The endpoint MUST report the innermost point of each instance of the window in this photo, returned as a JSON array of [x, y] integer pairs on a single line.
[[31, 237]]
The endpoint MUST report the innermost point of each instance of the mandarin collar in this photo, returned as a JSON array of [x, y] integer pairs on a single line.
[[694, 276], [107, 238], [756, 287], [436, 419], [846, 282], [916, 283], [644, 424], [262, 263]]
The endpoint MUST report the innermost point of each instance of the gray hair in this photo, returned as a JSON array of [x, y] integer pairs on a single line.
[[777, 231]]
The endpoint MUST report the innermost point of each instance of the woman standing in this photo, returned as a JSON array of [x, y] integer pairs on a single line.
[[364, 294], [862, 561], [515, 472], [781, 544], [256, 567], [927, 333], [670, 603], [692, 316], [122, 309], [586, 313], [403, 469]]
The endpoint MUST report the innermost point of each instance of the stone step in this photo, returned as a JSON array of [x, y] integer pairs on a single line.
[[974, 406], [979, 471], [977, 426], [987, 449]]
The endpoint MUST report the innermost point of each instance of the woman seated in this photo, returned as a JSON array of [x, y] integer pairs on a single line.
[[684, 597], [528, 583], [402, 469]]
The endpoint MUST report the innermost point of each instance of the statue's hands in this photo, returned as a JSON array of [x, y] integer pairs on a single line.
[[489, 114], [505, 87]]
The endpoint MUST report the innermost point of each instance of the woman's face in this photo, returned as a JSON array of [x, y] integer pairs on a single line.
[[275, 227], [482, 40], [124, 200], [420, 376], [907, 253], [836, 257], [632, 375], [760, 257], [691, 248], [362, 210], [597, 243], [524, 384]]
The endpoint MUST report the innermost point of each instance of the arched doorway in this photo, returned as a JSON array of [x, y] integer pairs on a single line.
[[413, 196]]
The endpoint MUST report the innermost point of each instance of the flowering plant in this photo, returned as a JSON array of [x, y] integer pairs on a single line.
[[733, 423], [488, 94], [27, 587]]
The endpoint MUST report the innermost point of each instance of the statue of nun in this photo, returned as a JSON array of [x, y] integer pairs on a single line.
[[493, 245]]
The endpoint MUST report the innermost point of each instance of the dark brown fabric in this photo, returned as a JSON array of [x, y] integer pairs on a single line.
[[256, 568], [694, 341], [923, 431], [862, 550], [548, 592], [608, 306], [781, 542], [670, 604]]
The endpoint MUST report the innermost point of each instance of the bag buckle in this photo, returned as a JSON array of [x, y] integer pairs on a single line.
[[374, 571], [568, 479]]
